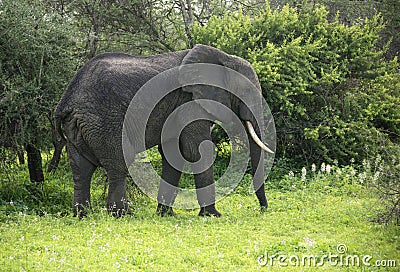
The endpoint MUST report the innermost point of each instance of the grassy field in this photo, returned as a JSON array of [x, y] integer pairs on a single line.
[[319, 220]]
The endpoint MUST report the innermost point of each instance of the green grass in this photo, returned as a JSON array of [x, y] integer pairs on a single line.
[[307, 217]]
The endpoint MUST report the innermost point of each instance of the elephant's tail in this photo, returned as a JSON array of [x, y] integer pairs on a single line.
[[62, 111], [58, 144], [58, 126]]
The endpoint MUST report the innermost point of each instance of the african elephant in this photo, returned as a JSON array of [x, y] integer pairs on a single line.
[[90, 116]]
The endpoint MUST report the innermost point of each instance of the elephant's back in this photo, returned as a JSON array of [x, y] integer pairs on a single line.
[[114, 78], [93, 107]]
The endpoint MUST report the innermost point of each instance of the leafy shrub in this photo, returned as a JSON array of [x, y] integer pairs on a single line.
[[36, 62], [18, 194], [383, 173], [331, 92]]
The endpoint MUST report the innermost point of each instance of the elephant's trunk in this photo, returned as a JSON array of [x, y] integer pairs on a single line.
[[257, 140], [257, 164], [254, 130]]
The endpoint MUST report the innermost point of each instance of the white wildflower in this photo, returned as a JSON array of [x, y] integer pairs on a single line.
[[62, 261], [308, 241], [303, 173], [364, 162], [378, 160], [376, 175], [328, 168], [125, 259], [362, 177], [104, 247], [313, 167]]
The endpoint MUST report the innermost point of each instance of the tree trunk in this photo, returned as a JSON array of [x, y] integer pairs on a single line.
[[34, 163], [20, 155], [187, 19]]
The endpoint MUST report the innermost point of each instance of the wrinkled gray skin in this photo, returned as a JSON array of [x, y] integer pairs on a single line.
[[91, 113]]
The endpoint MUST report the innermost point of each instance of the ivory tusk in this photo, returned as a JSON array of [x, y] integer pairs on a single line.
[[256, 139]]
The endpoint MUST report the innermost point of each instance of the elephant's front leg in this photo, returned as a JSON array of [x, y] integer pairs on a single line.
[[205, 190], [198, 149], [169, 180]]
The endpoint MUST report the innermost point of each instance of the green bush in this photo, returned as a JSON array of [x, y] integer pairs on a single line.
[[331, 92], [383, 173], [36, 62], [18, 194]]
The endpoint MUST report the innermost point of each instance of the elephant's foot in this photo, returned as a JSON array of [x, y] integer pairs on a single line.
[[119, 210], [164, 210], [81, 210], [209, 211], [263, 209], [263, 204]]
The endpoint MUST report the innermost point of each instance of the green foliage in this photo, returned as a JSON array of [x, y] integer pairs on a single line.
[[18, 194], [350, 12], [331, 179], [323, 209], [35, 65], [383, 173], [331, 92]]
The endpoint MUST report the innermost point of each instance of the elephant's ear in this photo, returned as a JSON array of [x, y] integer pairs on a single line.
[[210, 55]]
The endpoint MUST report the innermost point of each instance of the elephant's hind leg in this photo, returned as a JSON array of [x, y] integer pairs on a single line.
[[116, 201], [169, 183], [82, 171]]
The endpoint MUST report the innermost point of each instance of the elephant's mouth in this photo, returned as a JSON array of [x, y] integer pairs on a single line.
[[257, 140]]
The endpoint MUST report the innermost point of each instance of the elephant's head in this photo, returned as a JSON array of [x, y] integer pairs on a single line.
[[248, 107]]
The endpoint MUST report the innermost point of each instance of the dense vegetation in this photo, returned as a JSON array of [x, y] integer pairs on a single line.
[[329, 87], [311, 214], [334, 96], [329, 71]]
